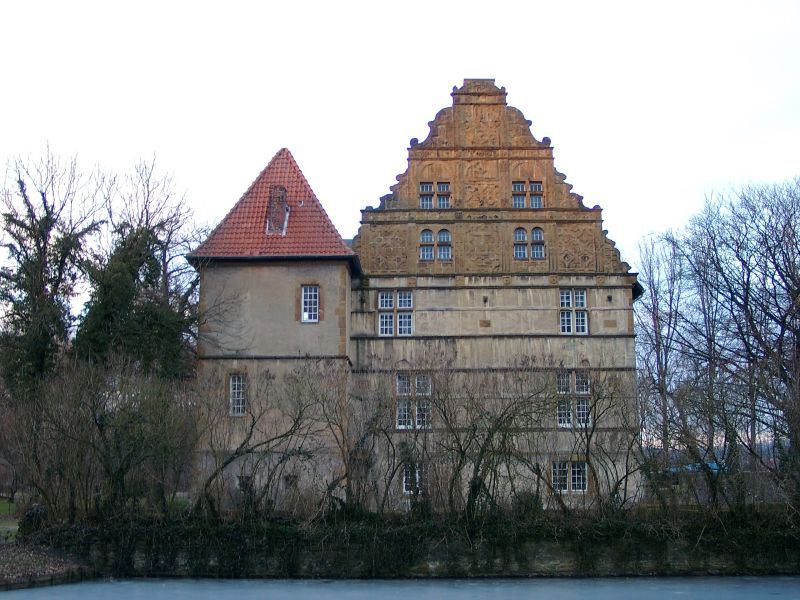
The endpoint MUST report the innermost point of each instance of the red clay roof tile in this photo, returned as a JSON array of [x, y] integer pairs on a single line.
[[243, 231]]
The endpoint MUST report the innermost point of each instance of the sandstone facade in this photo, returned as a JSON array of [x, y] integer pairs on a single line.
[[480, 296]]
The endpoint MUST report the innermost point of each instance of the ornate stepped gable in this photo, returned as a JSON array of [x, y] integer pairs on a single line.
[[277, 217], [479, 147]]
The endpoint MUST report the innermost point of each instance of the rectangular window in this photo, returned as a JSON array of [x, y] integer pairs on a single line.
[[310, 295], [536, 186], [564, 413], [581, 382], [426, 201], [537, 250], [518, 201], [385, 300], [562, 383], [411, 479], [385, 324], [581, 322], [423, 384], [445, 253], [404, 299], [560, 473], [426, 187], [536, 201], [426, 252], [395, 310], [565, 297], [423, 414], [404, 413], [566, 321], [573, 299], [583, 412], [403, 384], [520, 251], [404, 324], [443, 201], [579, 480], [518, 186], [443, 186], [237, 394]]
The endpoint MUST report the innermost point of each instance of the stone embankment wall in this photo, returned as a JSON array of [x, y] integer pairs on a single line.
[[379, 550]]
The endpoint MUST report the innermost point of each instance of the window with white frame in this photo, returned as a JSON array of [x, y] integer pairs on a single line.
[[582, 385], [563, 382], [576, 385], [583, 412], [404, 323], [569, 476], [412, 479], [405, 299], [579, 480], [536, 194], [413, 401], [426, 195], [395, 313], [237, 394], [405, 419], [385, 300], [426, 245], [310, 304], [443, 194], [537, 243], [386, 324], [573, 316], [527, 193], [560, 476], [520, 244], [564, 412], [443, 247]]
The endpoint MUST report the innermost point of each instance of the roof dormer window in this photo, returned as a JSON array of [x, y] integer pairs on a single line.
[[277, 210]]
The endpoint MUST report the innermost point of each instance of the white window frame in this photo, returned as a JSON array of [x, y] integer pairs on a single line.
[[405, 324], [573, 317], [405, 299], [583, 412], [426, 201], [443, 201], [560, 476], [518, 201], [411, 479], [309, 299], [426, 187], [564, 412], [579, 477], [237, 394], [386, 324], [385, 300]]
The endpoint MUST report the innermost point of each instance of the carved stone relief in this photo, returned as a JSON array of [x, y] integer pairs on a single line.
[[481, 127], [482, 194], [577, 251], [481, 169], [387, 251], [481, 249]]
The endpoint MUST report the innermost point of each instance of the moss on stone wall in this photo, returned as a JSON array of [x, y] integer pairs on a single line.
[[372, 546]]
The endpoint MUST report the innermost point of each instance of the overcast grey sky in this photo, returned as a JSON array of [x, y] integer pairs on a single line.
[[651, 106]]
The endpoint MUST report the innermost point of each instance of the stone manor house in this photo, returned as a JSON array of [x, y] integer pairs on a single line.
[[474, 343]]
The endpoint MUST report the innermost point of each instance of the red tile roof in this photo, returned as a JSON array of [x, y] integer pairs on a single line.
[[243, 231]]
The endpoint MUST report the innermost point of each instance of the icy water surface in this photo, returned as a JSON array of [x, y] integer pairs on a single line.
[[650, 588]]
